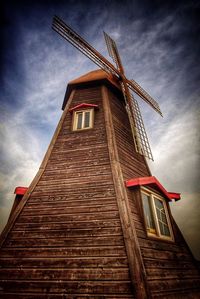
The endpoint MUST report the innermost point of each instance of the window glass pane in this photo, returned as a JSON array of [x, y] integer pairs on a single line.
[[162, 219], [148, 213], [79, 120], [87, 119]]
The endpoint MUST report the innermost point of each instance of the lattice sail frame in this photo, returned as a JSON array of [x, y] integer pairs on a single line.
[[77, 41], [139, 134], [143, 146], [113, 51], [140, 138]]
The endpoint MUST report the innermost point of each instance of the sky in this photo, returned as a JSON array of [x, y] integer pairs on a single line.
[[159, 45]]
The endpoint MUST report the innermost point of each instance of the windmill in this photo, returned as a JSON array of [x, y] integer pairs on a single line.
[[128, 87], [94, 222]]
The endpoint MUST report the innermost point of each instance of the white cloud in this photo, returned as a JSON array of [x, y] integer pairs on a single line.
[[176, 150], [26, 130], [187, 215], [177, 156], [21, 154]]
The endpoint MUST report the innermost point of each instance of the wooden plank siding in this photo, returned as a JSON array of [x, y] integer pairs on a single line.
[[170, 267], [136, 265], [79, 232], [67, 240]]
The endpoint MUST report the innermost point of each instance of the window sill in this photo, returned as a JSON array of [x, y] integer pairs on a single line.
[[158, 238]]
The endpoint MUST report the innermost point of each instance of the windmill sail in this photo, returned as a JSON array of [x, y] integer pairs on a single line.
[[135, 118], [77, 41], [134, 86], [143, 147], [140, 138], [113, 51], [139, 134]]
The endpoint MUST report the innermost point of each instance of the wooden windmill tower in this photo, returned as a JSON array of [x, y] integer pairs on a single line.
[[95, 223]]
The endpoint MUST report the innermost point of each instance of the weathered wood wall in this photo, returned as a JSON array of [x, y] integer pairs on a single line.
[[170, 266], [68, 241]]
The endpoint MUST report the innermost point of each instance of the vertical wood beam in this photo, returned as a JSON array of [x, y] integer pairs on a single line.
[[136, 265], [26, 196]]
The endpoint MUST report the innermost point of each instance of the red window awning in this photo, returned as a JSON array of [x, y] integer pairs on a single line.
[[20, 190], [83, 106], [152, 182]]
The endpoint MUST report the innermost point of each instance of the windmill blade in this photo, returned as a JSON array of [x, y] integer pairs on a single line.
[[129, 110], [140, 138], [114, 54], [144, 146], [137, 126], [113, 51], [134, 86], [76, 40], [110, 45]]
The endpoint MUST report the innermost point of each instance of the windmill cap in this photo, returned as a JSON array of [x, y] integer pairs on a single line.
[[89, 79], [93, 76]]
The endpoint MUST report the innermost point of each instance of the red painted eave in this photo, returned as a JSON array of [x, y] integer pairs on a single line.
[[20, 190], [174, 195], [83, 106], [153, 182]]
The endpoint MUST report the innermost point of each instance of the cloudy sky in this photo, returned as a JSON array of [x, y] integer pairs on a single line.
[[159, 45]]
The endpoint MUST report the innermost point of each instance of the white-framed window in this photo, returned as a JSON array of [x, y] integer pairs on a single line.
[[156, 215], [83, 119]]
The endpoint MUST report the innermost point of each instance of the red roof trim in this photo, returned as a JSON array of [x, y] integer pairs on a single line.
[[151, 180], [20, 190], [84, 105], [174, 195]]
